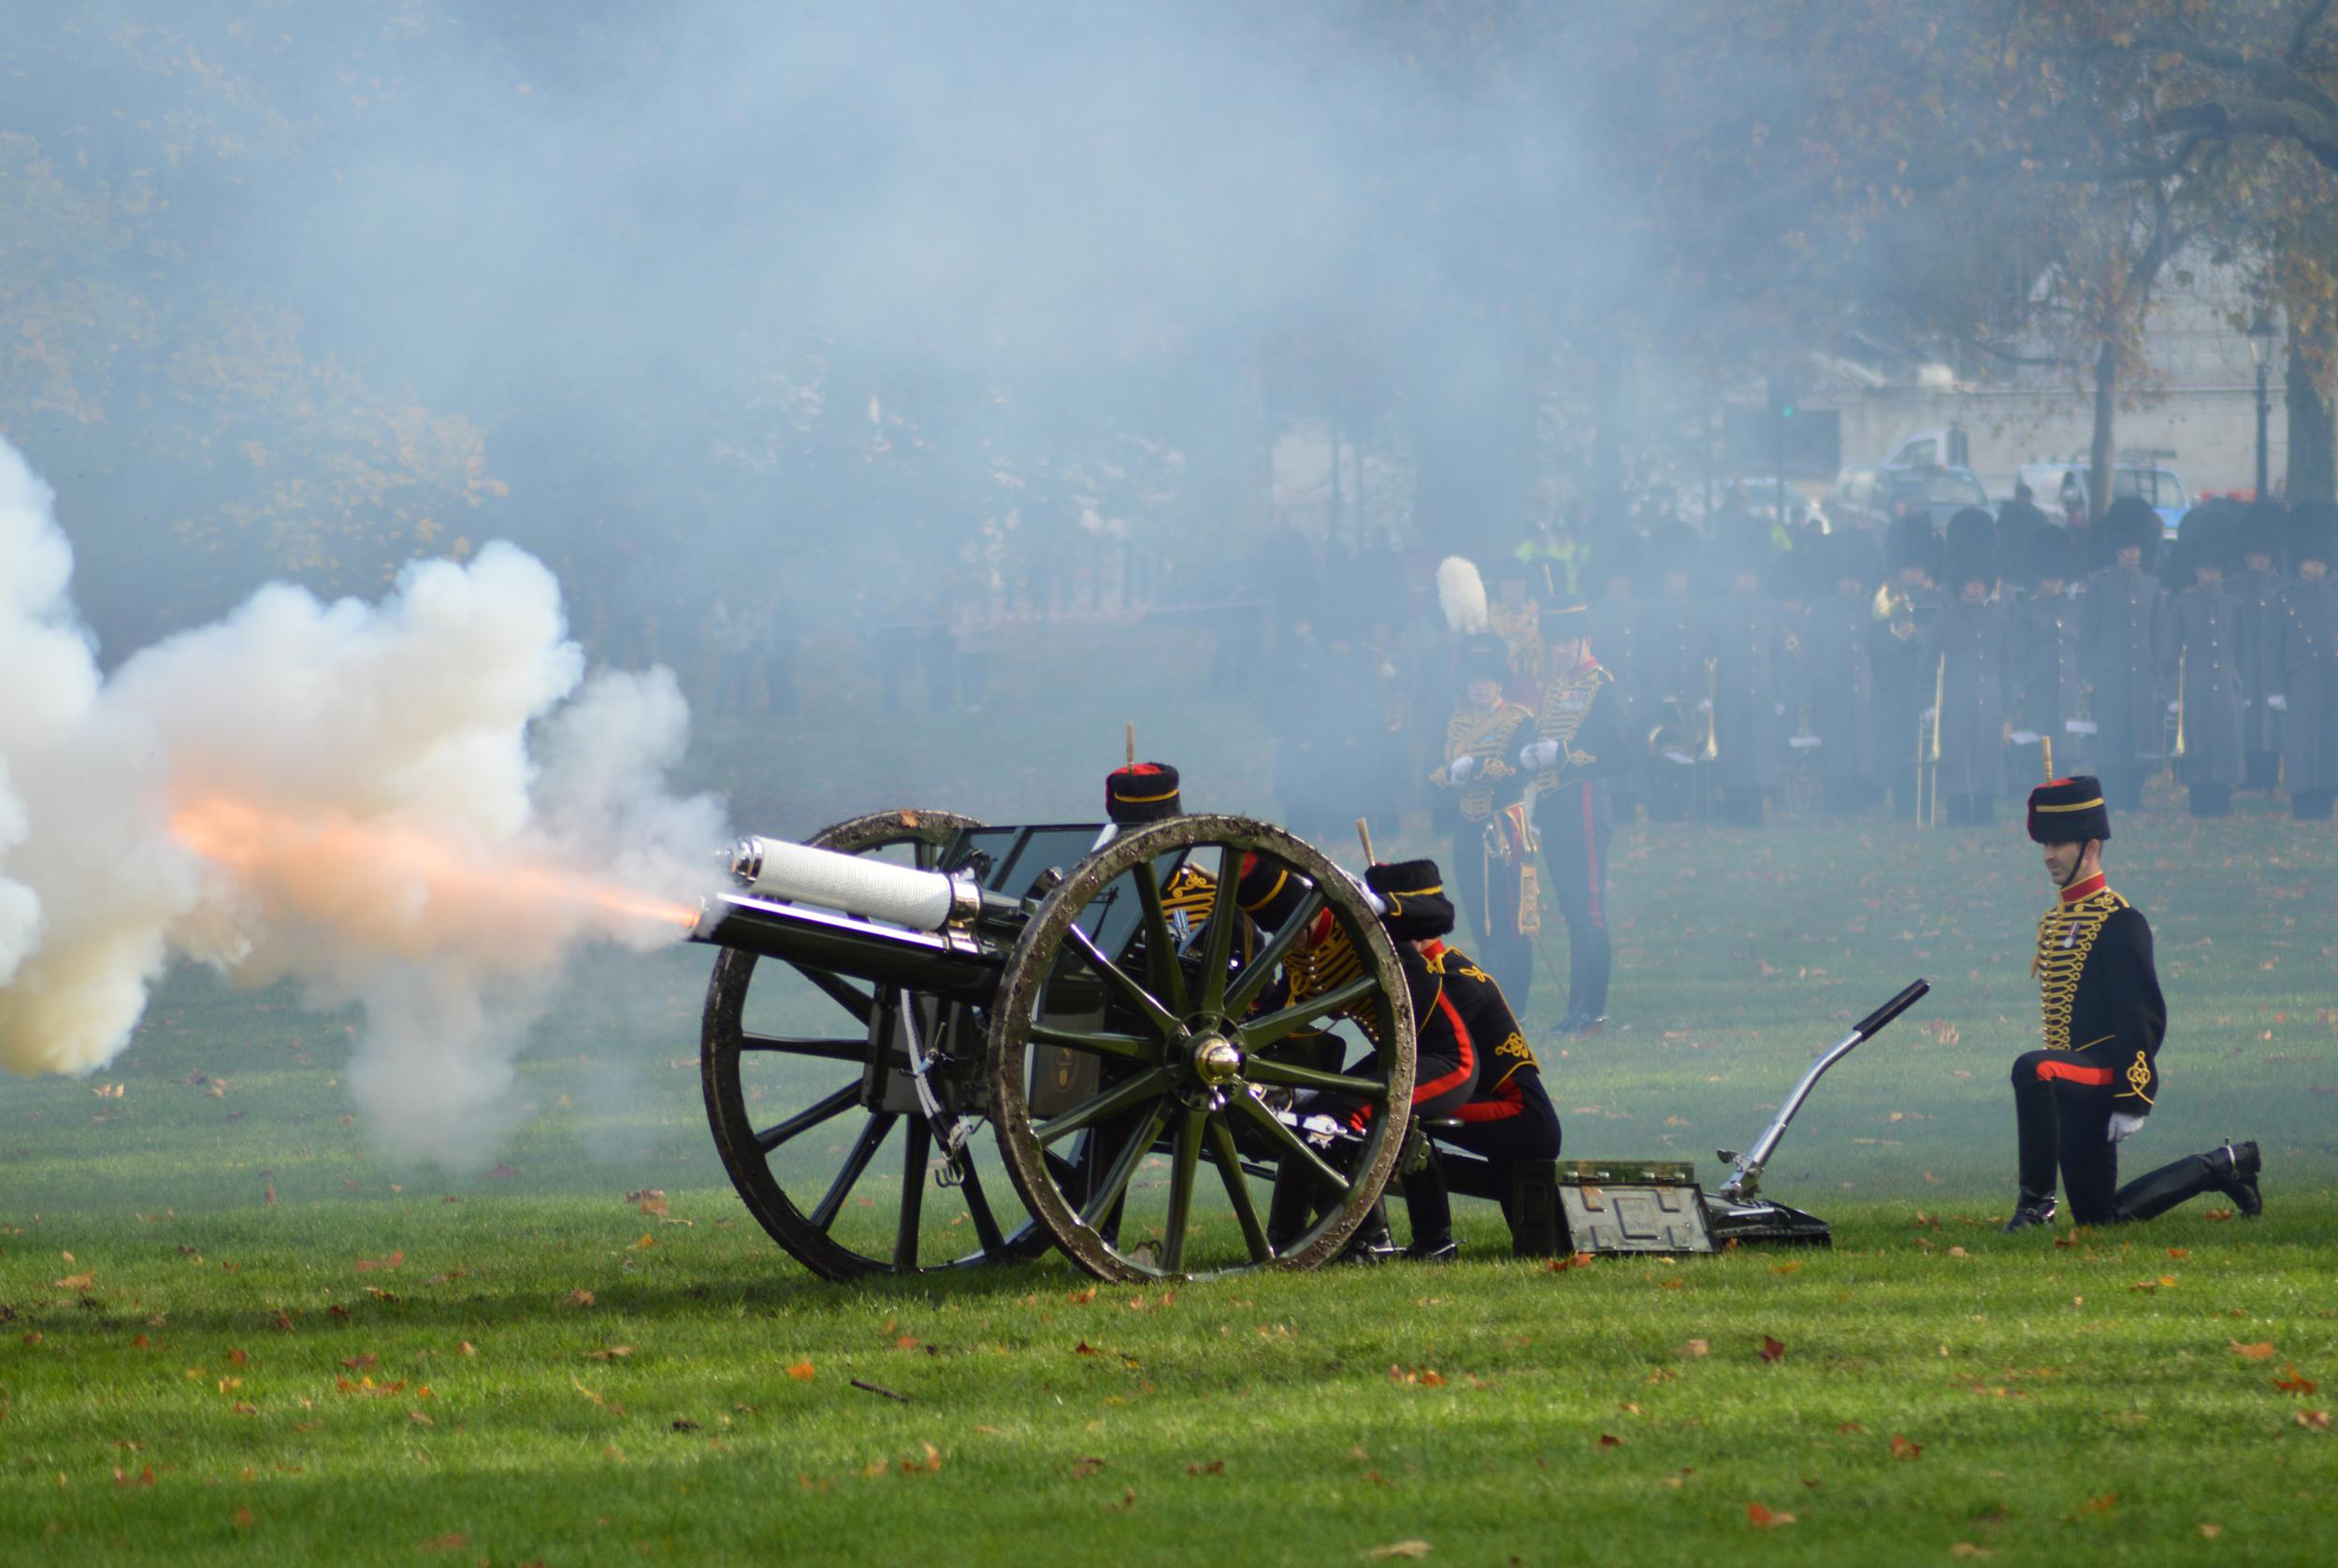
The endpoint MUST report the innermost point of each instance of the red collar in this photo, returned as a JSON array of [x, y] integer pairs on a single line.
[[2085, 889], [1433, 949]]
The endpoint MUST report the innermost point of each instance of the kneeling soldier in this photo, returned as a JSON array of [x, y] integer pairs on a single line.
[[2095, 1081]]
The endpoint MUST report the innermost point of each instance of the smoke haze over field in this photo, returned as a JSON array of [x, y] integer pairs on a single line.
[[344, 795]]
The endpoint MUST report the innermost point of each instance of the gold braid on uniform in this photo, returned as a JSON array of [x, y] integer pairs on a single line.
[[2066, 934], [1566, 704], [1192, 892], [1331, 962], [1483, 733]]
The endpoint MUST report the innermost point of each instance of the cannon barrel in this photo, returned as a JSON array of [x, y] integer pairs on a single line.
[[777, 869], [949, 964]]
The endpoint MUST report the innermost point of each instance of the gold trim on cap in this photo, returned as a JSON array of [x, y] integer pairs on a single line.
[[1268, 896], [1144, 799], [2074, 806]]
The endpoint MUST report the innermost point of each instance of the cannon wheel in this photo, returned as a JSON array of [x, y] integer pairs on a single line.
[[1194, 1063], [748, 1149]]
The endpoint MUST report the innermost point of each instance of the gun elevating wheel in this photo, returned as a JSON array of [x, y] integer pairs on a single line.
[[809, 1080], [1147, 1012]]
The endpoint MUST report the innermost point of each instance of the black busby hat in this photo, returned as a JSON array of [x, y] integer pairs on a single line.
[[1910, 542], [1269, 891], [1971, 532], [2263, 527], [2069, 812], [1144, 793], [1672, 547], [1414, 891], [2051, 554], [1851, 553], [2130, 524], [2313, 533], [1482, 657]]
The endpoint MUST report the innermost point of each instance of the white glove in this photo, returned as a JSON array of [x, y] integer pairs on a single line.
[[2124, 1125], [1460, 769], [1778, 710], [1538, 756], [2277, 702], [2175, 707], [1705, 705]]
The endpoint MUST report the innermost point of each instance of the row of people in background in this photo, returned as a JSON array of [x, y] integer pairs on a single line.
[[1930, 672]]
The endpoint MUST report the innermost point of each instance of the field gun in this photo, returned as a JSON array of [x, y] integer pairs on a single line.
[[1097, 999]]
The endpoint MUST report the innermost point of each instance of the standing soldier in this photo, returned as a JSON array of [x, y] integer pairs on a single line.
[[2117, 620], [1514, 617], [2308, 700], [1672, 674], [1904, 678], [1492, 841], [2200, 662], [1968, 648], [2257, 593], [1616, 630], [1749, 651], [2047, 703], [1839, 681], [2098, 1076], [1579, 743]]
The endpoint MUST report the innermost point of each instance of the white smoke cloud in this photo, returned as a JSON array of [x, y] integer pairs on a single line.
[[343, 795]]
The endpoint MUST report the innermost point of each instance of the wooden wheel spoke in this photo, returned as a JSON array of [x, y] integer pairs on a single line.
[[1228, 1159], [1184, 1162], [834, 1048], [1127, 1047], [1225, 914], [1160, 950], [1292, 1019], [863, 1150], [1118, 979], [1116, 1179], [804, 1120], [1111, 1103], [916, 1142], [1291, 1075], [1291, 1144], [1262, 965]]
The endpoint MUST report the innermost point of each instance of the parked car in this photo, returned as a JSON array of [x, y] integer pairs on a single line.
[[2059, 485]]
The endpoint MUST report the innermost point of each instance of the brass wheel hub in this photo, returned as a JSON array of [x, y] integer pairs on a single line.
[[1216, 1061]]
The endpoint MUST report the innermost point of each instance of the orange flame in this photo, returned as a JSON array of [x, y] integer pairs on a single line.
[[304, 858]]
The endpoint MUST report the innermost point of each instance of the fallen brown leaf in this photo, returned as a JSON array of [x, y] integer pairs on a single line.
[[1399, 1548], [1214, 1467], [2261, 1351], [2210, 1532], [1086, 1466], [2294, 1384], [76, 1282], [1903, 1449], [2314, 1420], [1763, 1518], [1692, 1349], [801, 1371], [1773, 1349]]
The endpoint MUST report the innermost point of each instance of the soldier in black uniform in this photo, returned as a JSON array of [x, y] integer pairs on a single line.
[[1838, 679], [1674, 646], [1507, 1115], [1579, 743], [2256, 594], [2118, 619], [1749, 649], [1445, 1057], [1904, 678], [1969, 648], [2047, 707], [2200, 662], [1493, 839], [2308, 699], [2096, 1077]]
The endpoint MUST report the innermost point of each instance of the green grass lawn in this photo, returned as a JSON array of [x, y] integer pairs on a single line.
[[230, 1332]]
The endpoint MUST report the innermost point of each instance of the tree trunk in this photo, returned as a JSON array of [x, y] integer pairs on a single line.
[[2312, 442], [2101, 453]]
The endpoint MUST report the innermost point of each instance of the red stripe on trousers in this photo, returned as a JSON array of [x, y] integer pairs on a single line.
[[1591, 857], [2073, 1073]]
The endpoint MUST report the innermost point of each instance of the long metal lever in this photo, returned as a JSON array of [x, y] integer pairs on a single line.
[[1745, 1176]]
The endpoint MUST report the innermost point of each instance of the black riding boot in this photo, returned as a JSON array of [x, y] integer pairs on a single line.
[[1431, 1212], [2231, 1170], [1291, 1208]]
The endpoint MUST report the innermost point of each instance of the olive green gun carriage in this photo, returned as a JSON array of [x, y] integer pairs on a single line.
[[913, 1005]]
